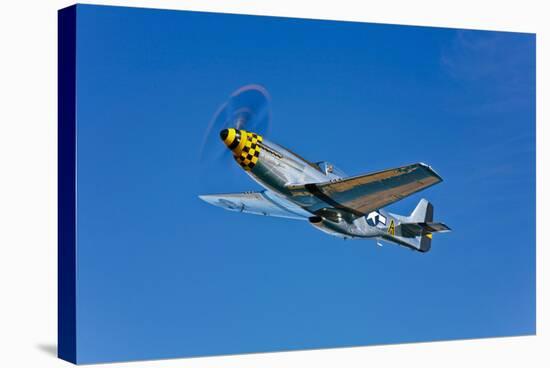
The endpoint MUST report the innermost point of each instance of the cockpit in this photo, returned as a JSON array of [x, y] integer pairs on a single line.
[[330, 170]]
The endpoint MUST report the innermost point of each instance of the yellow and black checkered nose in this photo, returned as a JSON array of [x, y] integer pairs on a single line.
[[245, 146]]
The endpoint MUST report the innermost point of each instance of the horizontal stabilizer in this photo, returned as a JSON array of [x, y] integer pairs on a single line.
[[420, 228]]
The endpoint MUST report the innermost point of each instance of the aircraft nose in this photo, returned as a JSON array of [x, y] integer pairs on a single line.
[[223, 134], [244, 145], [230, 137]]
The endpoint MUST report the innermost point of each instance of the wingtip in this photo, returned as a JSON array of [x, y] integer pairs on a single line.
[[431, 170], [209, 198]]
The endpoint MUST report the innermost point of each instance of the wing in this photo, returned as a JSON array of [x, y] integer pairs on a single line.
[[259, 203], [362, 194]]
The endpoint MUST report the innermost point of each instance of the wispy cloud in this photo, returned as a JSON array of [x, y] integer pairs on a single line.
[[501, 64]]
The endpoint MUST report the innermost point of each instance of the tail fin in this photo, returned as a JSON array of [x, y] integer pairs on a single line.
[[424, 212], [417, 229]]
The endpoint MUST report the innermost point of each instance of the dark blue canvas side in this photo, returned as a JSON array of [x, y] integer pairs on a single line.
[[66, 338]]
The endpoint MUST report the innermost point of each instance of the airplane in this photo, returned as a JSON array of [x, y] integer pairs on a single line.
[[349, 207]]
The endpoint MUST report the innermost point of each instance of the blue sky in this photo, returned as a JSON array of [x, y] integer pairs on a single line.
[[162, 274]]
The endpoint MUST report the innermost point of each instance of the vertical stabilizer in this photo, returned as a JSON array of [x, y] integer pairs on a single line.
[[424, 212]]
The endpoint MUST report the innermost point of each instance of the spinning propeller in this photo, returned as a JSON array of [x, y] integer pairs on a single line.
[[247, 108]]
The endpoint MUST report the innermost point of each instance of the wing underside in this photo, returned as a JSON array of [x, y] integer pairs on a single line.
[[362, 194], [259, 203]]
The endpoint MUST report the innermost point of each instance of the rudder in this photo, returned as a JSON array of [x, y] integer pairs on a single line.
[[424, 212]]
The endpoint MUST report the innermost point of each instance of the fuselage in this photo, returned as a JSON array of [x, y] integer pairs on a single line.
[[276, 168]]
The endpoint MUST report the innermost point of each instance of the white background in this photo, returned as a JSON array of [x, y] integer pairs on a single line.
[[28, 180]]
